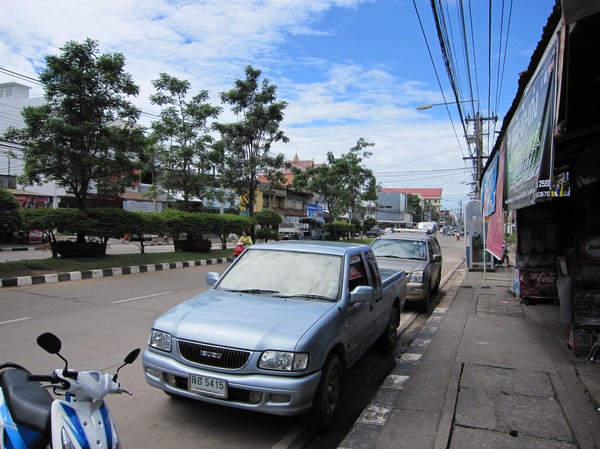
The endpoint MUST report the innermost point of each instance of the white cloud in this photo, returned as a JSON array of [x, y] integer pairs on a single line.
[[208, 42]]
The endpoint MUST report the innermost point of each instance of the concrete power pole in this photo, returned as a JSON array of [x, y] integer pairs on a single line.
[[479, 154]]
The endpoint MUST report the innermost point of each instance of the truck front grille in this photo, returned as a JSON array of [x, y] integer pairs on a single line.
[[214, 356]]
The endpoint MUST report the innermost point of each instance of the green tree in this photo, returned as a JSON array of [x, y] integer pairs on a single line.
[[342, 182], [245, 144], [225, 224], [360, 181], [10, 208], [369, 223], [413, 204], [185, 144], [268, 218], [85, 135]]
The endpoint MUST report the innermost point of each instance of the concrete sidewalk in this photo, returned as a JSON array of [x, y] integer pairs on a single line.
[[485, 371]]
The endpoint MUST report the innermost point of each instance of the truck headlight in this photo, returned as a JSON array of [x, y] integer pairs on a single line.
[[417, 276], [283, 361], [160, 340]]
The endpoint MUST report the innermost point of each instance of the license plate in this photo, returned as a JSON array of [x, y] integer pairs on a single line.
[[208, 385]]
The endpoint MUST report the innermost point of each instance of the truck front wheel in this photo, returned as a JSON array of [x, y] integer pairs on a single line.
[[423, 306], [326, 403]]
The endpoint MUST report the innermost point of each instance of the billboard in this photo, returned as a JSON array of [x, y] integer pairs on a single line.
[[530, 149]]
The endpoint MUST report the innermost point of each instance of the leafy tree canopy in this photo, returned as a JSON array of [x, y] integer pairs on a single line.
[[184, 151], [10, 209], [85, 135], [414, 206], [268, 218], [342, 182], [244, 148]]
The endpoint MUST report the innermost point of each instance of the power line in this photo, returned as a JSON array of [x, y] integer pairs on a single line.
[[412, 172], [20, 75], [438, 77], [36, 81]]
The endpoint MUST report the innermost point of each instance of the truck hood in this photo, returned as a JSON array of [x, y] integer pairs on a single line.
[[241, 320], [408, 265]]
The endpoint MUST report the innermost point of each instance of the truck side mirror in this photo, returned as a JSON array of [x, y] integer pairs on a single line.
[[362, 293], [212, 277]]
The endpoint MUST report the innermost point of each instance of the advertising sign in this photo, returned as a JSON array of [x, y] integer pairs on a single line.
[[495, 232], [537, 284], [589, 248], [529, 140], [488, 188], [314, 210], [33, 201]]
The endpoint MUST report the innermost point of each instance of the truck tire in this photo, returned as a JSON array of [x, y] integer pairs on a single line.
[[423, 306], [326, 404], [387, 339], [436, 288]]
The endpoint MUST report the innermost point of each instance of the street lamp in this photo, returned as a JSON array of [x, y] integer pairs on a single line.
[[477, 139], [429, 106]]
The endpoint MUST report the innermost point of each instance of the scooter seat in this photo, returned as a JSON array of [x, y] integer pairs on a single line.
[[29, 404]]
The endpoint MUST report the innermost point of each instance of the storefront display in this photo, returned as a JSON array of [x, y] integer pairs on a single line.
[[586, 293], [535, 276]]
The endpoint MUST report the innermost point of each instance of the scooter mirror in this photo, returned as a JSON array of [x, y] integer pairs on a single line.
[[132, 356], [49, 342], [129, 359]]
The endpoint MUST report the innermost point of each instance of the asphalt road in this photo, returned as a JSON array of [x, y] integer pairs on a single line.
[[101, 320]]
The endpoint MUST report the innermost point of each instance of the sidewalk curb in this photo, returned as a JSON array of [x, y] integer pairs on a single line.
[[365, 432], [23, 281]]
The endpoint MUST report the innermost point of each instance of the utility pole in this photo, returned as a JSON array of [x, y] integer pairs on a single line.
[[477, 138]]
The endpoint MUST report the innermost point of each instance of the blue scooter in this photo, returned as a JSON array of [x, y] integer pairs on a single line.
[[78, 418]]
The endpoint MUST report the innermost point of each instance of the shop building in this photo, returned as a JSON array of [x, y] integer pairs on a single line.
[[544, 172]]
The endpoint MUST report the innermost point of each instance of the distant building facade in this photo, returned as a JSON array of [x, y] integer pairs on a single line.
[[430, 199]]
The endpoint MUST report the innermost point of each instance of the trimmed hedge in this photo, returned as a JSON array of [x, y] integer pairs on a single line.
[[188, 229]]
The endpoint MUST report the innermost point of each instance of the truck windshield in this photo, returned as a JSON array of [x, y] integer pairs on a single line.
[[402, 249], [288, 273]]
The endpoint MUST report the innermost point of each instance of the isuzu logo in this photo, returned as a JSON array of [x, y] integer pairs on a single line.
[[211, 354]]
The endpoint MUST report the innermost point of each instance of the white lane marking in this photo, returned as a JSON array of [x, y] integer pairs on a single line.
[[140, 297], [15, 320]]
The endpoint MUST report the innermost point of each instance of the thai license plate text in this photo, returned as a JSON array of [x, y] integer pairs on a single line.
[[208, 385]]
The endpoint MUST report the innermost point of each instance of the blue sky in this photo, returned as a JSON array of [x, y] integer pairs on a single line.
[[348, 68]]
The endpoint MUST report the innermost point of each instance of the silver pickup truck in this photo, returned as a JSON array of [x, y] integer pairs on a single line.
[[277, 331], [419, 254]]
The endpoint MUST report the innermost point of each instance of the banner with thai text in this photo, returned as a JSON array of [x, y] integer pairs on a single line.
[[530, 149]]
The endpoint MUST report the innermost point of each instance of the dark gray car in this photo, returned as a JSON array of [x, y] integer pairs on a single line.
[[419, 255]]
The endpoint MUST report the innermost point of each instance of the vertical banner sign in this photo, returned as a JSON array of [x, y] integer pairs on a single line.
[[529, 153], [488, 188], [495, 233]]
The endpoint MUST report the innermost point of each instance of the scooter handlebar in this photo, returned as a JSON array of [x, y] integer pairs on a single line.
[[43, 378]]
